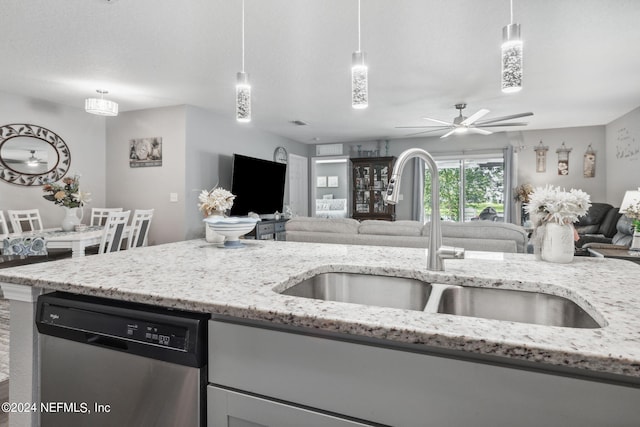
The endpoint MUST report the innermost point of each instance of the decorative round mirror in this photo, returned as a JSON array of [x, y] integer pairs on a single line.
[[32, 155]]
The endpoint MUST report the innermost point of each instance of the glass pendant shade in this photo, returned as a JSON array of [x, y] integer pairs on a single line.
[[101, 107], [243, 98], [511, 59], [359, 81]]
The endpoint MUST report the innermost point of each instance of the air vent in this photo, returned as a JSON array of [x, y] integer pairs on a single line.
[[329, 150], [299, 123]]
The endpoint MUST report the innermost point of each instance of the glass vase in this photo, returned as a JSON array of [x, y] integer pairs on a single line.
[[557, 243]]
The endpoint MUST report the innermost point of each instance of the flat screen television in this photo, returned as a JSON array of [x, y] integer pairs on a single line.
[[258, 185]]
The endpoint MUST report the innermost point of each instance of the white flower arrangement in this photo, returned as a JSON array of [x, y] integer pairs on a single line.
[[551, 204], [216, 200]]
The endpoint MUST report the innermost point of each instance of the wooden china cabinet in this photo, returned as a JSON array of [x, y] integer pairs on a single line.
[[370, 180]]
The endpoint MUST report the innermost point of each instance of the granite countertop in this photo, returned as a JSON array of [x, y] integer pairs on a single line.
[[195, 275]]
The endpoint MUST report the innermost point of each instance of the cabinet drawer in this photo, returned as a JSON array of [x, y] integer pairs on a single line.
[[228, 408], [266, 228], [280, 227]]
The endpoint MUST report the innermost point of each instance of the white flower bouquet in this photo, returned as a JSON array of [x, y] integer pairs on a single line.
[[216, 200], [551, 204]]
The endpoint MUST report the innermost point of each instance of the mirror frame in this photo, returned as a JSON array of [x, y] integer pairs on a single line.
[[57, 172]]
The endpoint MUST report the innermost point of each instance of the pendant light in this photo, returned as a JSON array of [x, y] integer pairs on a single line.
[[511, 57], [101, 106], [359, 75], [243, 87]]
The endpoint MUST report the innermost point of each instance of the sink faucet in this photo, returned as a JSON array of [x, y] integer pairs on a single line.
[[437, 252]]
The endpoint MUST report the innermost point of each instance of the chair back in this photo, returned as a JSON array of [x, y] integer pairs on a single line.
[[4, 227], [99, 215], [140, 224], [25, 220], [113, 232]]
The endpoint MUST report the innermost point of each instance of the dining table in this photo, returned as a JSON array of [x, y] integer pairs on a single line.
[[77, 241]]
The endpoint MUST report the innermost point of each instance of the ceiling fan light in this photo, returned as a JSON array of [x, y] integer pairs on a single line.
[[101, 107], [359, 81], [511, 59], [461, 129], [243, 98]]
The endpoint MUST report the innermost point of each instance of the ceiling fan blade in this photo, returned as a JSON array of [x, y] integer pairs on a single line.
[[425, 131], [424, 127], [499, 119], [448, 133], [501, 124], [472, 119], [480, 131], [438, 121]]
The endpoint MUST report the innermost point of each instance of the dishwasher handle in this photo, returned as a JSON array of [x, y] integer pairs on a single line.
[[110, 342]]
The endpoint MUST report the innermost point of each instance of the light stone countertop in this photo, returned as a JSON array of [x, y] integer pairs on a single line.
[[195, 275]]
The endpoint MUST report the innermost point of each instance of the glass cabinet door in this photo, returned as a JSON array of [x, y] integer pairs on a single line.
[[370, 181]]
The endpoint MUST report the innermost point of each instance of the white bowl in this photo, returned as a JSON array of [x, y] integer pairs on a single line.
[[231, 228]]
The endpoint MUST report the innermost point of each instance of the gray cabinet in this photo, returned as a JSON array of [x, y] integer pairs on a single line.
[[293, 372], [229, 408]]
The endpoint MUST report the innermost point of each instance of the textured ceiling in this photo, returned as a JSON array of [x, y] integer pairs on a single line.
[[581, 59]]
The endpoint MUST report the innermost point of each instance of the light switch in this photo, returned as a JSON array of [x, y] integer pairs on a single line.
[[173, 197], [400, 197]]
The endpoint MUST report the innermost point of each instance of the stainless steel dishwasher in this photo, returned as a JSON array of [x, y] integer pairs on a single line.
[[112, 363]]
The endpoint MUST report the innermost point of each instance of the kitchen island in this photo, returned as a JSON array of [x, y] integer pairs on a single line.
[[243, 285]]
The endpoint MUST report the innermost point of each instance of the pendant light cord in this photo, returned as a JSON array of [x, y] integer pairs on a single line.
[[511, 9], [359, 25], [243, 36]]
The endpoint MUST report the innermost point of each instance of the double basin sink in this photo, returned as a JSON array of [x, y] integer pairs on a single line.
[[412, 294]]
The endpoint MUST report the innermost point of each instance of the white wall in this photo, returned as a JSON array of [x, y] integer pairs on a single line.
[[623, 156], [83, 133], [197, 146], [211, 142], [149, 187]]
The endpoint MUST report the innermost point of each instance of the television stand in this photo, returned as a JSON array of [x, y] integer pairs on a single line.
[[272, 229]]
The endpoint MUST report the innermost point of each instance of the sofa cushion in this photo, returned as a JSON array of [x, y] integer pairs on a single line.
[[594, 216], [624, 236], [483, 230], [608, 225], [391, 228], [327, 225]]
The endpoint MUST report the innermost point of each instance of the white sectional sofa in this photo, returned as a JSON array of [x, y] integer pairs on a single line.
[[473, 236]]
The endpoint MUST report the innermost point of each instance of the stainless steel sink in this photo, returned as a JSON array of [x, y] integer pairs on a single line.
[[412, 294], [514, 305], [382, 291]]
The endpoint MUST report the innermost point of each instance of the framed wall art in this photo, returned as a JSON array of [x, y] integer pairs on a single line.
[[145, 152], [563, 159], [589, 165], [541, 157]]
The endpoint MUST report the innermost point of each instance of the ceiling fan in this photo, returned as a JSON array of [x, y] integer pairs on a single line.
[[462, 124]]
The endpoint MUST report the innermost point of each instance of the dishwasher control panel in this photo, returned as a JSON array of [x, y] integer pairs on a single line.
[[163, 333]]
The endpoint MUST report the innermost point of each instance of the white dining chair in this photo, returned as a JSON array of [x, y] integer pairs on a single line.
[[21, 219], [140, 223], [4, 227], [99, 215], [113, 233]]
